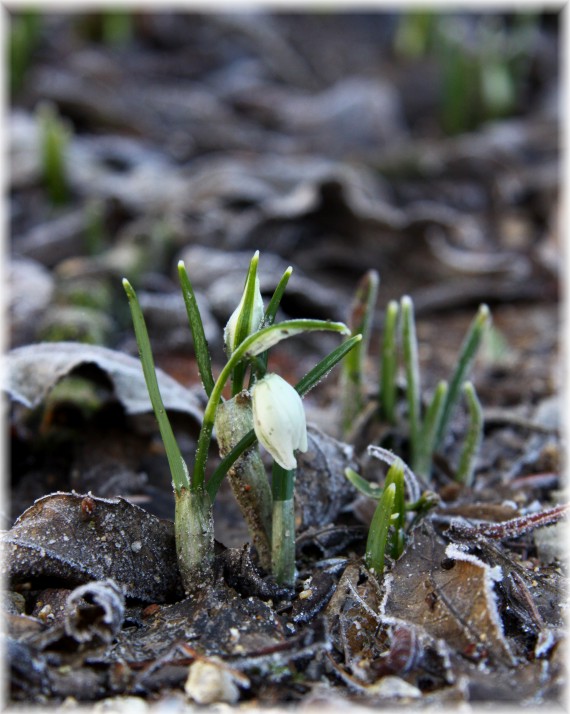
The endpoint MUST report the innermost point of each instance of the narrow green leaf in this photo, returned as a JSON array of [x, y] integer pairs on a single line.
[[215, 480], [268, 337], [473, 437], [396, 536], [321, 370], [201, 350], [389, 364], [178, 468], [269, 318], [467, 354], [276, 298], [365, 487], [360, 323], [411, 366], [379, 528], [246, 320], [428, 431]]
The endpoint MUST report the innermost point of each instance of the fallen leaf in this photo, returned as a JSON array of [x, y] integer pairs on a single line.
[[449, 593], [75, 539], [33, 371]]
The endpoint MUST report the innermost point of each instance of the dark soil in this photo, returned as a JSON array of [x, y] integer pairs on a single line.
[[326, 142]]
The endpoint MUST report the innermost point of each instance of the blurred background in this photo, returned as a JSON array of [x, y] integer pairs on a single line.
[[424, 145]]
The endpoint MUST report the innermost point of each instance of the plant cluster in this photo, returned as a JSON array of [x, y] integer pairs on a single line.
[[264, 409], [427, 428]]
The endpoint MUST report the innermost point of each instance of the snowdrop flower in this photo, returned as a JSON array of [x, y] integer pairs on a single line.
[[279, 419], [256, 318]]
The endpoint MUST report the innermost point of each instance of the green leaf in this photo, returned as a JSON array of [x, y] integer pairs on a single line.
[[269, 318], [360, 323], [201, 350], [246, 322], [473, 437], [426, 445], [467, 354], [178, 468], [389, 365], [365, 487], [411, 366], [379, 528], [268, 337], [321, 370]]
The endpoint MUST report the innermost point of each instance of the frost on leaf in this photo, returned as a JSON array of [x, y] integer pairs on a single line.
[[450, 594], [75, 539], [31, 372]]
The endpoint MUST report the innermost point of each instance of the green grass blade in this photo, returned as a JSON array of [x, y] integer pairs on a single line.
[[395, 540], [411, 366], [178, 468], [389, 363], [473, 437], [245, 320], [201, 350], [465, 361]]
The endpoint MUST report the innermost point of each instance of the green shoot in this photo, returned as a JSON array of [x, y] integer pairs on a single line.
[[428, 431], [269, 318], [178, 468], [465, 361], [473, 437], [246, 319], [411, 366], [360, 323], [389, 364], [201, 350], [54, 137]]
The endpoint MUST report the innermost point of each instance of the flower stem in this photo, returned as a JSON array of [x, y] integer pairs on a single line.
[[283, 526]]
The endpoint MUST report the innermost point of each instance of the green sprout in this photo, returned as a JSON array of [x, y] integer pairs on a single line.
[[25, 31], [360, 323], [54, 140], [269, 513], [427, 427], [388, 528]]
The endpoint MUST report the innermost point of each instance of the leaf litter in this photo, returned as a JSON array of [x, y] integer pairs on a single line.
[[267, 141]]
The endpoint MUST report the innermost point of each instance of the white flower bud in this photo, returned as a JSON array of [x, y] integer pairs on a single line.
[[256, 318], [279, 419]]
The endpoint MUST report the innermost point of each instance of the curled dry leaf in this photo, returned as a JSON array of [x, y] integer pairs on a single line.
[[74, 539], [32, 372], [95, 611], [449, 593]]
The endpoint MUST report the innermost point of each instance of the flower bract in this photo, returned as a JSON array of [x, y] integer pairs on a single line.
[[279, 419]]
